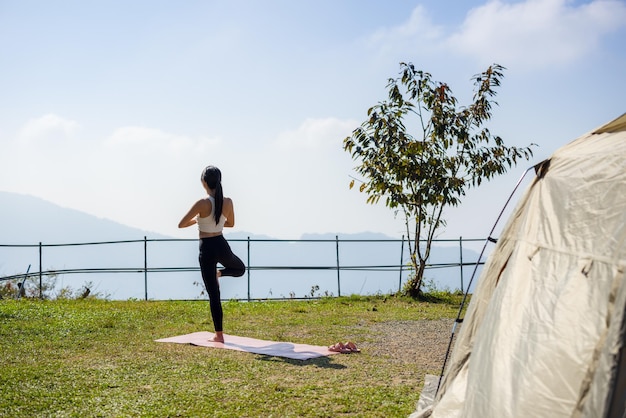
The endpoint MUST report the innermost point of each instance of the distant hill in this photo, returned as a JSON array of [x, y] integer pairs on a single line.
[[27, 220]]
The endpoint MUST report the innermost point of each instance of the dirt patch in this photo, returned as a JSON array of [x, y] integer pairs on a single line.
[[418, 343]]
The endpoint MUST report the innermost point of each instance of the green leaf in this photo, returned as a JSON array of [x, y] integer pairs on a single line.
[[421, 151]]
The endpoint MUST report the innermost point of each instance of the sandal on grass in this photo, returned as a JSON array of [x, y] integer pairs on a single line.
[[339, 348], [352, 347]]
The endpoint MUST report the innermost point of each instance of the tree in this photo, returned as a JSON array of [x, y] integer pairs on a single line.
[[421, 175]]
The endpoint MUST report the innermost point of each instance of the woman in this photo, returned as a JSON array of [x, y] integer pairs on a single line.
[[211, 215]]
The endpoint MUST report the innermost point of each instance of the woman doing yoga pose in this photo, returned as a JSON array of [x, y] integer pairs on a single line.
[[212, 214]]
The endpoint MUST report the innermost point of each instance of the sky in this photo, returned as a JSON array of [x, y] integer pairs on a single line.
[[115, 107]]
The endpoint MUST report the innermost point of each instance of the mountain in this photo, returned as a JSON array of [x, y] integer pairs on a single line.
[[26, 220], [308, 267]]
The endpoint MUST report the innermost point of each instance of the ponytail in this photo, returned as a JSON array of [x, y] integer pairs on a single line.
[[212, 176], [219, 203]]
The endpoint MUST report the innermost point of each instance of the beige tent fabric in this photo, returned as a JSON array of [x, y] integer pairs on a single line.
[[541, 336]]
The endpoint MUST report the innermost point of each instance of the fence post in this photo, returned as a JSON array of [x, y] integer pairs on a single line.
[[145, 267], [248, 269], [338, 269], [461, 259], [401, 264], [40, 272]]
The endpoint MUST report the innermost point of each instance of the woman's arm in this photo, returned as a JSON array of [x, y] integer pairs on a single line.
[[229, 212], [190, 217]]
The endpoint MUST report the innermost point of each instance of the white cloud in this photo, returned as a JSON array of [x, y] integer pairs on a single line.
[[112, 176], [418, 34], [47, 127], [142, 139], [418, 27], [316, 134], [536, 34], [43, 152], [530, 35], [148, 167], [307, 162], [302, 185]]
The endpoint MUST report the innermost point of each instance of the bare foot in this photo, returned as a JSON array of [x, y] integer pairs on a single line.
[[219, 274], [218, 338]]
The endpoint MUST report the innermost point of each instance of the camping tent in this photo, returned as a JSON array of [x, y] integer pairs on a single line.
[[545, 330]]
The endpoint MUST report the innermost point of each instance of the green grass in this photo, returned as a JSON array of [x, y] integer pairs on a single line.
[[89, 358]]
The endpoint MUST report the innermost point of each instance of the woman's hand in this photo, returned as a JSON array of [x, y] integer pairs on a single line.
[[190, 217], [228, 211]]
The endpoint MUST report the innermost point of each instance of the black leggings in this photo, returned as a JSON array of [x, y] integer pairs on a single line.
[[215, 250]]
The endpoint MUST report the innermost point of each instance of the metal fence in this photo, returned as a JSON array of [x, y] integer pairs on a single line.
[[340, 258]]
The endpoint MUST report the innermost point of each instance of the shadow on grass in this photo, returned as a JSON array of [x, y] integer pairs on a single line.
[[441, 297], [323, 362]]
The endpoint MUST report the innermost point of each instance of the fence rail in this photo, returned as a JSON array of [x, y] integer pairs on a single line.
[[401, 267]]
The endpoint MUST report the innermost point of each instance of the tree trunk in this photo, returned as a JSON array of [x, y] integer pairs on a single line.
[[419, 276], [414, 285]]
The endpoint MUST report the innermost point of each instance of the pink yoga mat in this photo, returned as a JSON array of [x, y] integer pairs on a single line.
[[252, 345]]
